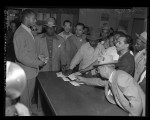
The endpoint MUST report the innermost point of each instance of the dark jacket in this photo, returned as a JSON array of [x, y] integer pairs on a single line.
[[126, 63]]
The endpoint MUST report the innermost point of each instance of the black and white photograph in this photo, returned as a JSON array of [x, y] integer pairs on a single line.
[[76, 61]]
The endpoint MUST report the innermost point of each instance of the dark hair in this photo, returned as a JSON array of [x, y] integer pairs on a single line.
[[80, 24], [67, 21], [128, 40], [27, 12], [119, 33]]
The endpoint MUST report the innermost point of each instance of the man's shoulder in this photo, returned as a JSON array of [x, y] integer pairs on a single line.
[[61, 33], [85, 45], [123, 78], [20, 32], [140, 54]]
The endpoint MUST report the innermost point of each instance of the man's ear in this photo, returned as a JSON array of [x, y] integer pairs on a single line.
[[127, 45]]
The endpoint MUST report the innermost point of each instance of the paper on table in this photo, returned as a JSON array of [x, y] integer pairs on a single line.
[[72, 77], [74, 83], [77, 73], [65, 79], [59, 74]]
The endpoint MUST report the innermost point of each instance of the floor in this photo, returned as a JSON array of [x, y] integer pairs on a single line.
[[35, 111]]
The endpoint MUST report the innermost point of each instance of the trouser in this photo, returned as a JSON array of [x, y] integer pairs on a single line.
[[27, 95]]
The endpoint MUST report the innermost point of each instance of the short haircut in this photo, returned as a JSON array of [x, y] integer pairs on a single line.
[[80, 24], [118, 33], [26, 13], [67, 21], [128, 40]]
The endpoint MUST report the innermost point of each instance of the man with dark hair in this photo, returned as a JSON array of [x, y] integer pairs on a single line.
[[67, 25], [74, 42], [126, 60], [26, 54]]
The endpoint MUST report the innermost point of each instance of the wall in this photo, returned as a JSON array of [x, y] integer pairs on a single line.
[[92, 17]]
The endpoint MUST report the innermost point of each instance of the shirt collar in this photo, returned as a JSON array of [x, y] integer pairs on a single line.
[[110, 78], [26, 28]]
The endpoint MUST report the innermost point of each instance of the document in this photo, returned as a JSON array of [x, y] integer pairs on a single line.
[[59, 74], [65, 79], [75, 83], [72, 76]]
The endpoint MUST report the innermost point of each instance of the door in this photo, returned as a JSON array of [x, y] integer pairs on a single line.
[[138, 27]]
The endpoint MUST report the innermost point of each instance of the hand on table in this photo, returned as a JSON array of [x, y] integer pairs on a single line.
[[64, 68], [80, 79], [68, 72]]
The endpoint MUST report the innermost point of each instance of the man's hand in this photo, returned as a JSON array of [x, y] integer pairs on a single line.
[[80, 79], [64, 68], [43, 58], [68, 72]]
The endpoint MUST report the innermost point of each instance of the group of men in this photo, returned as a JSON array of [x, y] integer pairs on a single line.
[[89, 54]]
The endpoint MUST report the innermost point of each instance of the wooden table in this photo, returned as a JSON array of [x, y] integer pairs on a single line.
[[65, 99]]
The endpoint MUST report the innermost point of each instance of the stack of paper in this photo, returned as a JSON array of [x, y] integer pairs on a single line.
[[75, 83], [59, 74], [71, 77]]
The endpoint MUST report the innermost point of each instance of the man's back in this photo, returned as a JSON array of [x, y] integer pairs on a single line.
[[126, 91]]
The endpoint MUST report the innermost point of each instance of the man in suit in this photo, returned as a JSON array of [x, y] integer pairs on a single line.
[[51, 45], [140, 59], [120, 87], [26, 54]]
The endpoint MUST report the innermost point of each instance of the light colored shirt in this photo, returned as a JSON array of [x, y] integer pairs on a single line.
[[86, 55], [110, 92], [64, 35], [28, 30], [112, 51]]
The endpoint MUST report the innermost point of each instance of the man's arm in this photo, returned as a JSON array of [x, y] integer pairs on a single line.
[[77, 58], [130, 91], [23, 54], [90, 67], [91, 81]]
